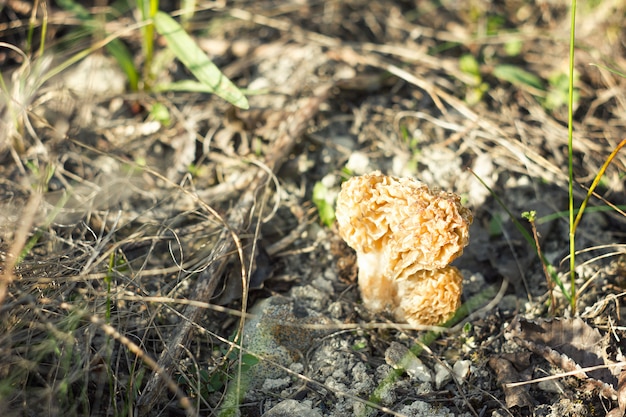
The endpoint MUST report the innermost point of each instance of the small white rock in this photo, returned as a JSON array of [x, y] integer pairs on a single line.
[[358, 163], [276, 384], [461, 370], [442, 375], [293, 408], [399, 356], [422, 408]]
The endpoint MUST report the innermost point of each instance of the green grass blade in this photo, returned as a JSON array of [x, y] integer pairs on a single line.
[[518, 76], [75, 8], [192, 86], [122, 55], [593, 209], [614, 71], [596, 181], [570, 158], [187, 10], [148, 9], [194, 58]]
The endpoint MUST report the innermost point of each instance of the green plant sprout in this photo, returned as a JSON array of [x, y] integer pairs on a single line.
[[513, 47], [160, 113], [211, 80], [612, 70], [551, 97], [518, 76], [475, 92], [236, 389], [325, 208], [552, 93], [210, 381], [558, 91]]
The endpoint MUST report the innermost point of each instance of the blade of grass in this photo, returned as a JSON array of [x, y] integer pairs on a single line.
[[184, 85], [115, 47], [124, 59], [570, 158], [44, 25], [148, 9], [614, 71], [76, 9], [518, 76], [194, 58], [82, 54], [596, 181], [187, 10], [594, 209]]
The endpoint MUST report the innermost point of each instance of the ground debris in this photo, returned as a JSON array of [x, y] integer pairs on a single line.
[[506, 373], [572, 345]]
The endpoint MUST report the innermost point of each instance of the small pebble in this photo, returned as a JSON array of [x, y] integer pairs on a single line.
[[442, 375], [461, 370], [289, 408], [399, 356]]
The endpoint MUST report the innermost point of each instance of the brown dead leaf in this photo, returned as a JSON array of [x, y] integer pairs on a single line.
[[506, 373], [571, 344]]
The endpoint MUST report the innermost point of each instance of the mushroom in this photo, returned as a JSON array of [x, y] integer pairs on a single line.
[[428, 297], [405, 236]]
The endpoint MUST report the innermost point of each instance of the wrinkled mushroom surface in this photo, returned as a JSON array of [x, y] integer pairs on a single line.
[[428, 296], [399, 228], [416, 227]]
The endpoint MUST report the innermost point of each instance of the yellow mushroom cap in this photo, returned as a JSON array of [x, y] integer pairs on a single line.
[[398, 227], [417, 228], [428, 297]]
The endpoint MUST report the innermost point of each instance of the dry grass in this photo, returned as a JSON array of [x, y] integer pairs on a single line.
[[113, 226]]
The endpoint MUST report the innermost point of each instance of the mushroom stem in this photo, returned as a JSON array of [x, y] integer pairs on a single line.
[[378, 291]]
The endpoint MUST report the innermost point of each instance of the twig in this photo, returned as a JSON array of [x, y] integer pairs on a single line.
[[531, 216]]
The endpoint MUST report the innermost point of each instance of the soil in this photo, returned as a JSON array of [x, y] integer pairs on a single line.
[[190, 264]]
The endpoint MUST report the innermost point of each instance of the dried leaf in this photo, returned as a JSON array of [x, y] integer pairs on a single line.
[[506, 373], [570, 344]]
